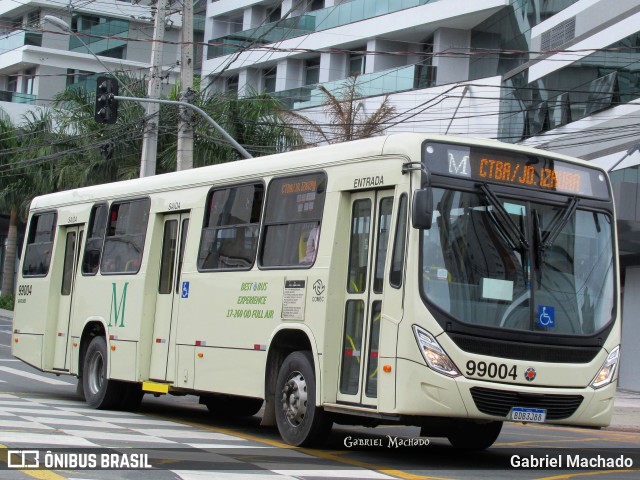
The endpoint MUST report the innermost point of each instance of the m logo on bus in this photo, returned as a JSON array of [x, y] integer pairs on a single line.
[[117, 309], [459, 164]]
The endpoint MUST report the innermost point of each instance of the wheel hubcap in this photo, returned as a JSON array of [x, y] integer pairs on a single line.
[[294, 399], [96, 373]]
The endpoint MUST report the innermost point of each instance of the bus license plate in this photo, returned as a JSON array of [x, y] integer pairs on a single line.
[[536, 415]]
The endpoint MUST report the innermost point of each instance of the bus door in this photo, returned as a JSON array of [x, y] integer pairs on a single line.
[[168, 296], [369, 235], [73, 241]]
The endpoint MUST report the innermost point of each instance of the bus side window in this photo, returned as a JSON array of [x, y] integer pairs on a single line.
[[95, 238], [125, 237], [292, 220], [37, 257], [230, 229], [397, 259]]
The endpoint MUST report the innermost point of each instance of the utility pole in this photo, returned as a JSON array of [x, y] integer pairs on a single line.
[[150, 138], [185, 129]]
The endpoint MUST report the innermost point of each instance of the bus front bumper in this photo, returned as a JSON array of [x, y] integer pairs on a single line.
[[427, 393]]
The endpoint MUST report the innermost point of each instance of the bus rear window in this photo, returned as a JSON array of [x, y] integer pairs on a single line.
[[124, 242], [37, 256], [292, 220]]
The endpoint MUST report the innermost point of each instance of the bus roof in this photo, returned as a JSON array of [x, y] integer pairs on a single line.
[[404, 144]]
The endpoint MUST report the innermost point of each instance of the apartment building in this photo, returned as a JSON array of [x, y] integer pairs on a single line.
[[562, 75], [39, 59]]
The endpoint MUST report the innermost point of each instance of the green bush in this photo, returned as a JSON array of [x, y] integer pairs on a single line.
[[6, 302]]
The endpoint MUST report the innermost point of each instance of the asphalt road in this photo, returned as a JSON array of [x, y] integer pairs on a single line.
[[41, 411]]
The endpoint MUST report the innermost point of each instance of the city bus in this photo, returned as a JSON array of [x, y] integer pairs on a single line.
[[442, 282]]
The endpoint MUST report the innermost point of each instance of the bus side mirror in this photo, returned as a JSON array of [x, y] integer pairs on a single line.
[[422, 213]]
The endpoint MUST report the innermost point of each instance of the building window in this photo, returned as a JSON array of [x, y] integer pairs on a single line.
[[275, 14], [12, 83], [312, 71], [232, 84], [33, 19], [315, 5], [357, 63], [27, 81], [270, 79], [235, 24]]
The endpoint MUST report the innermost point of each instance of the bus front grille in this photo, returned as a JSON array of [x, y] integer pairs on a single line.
[[500, 402]]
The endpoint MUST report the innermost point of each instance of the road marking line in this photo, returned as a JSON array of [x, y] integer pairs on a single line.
[[314, 453], [333, 473], [33, 376], [123, 437], [48, 439], [173, 433], [72, 421], [23, 424], [586, 474], [213, 446]]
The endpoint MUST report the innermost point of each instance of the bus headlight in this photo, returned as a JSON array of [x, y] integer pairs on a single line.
[[433, 353], [608, 369]]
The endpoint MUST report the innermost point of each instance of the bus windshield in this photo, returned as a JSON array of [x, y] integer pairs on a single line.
[[520, 265]]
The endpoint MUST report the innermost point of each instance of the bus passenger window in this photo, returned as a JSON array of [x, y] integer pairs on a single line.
[[293, 211], [95, 238], [37, 257], [126, 232], [230, 230]]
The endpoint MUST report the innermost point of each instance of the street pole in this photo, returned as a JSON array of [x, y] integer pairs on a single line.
[[150, 137], [185, 129]]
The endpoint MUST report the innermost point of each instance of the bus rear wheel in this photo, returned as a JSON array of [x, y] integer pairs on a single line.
[[300, 421], [99, 391], [470, 435]]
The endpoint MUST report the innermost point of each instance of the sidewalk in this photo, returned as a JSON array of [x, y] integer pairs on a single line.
[[626, 410]]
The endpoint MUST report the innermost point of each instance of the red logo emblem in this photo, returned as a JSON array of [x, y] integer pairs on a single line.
[[530, 374]]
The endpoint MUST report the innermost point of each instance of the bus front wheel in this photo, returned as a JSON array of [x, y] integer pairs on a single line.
[[300, 421], [99, 391], [470, 435]]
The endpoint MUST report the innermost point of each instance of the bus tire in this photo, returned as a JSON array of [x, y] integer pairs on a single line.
[[132, 394], [100, 392], [300, 421], [221, 405], [470, 435]]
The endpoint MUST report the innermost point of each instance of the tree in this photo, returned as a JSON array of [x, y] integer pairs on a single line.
[[347, 119], [255, 121], [24, 174]]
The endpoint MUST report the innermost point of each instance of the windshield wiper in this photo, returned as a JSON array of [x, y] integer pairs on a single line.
[[556, 227], [541, 244], [504, 222]]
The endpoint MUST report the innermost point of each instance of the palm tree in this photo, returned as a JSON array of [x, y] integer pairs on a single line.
[[255, 121], [345, 113], [98, 153], [25, 173]]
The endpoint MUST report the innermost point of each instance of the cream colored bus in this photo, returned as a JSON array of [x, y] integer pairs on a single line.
[[443, 282]]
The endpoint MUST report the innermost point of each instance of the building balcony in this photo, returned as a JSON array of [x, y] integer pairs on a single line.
[[311, 22], [15, 97], [94, 36], [20, 39], [368, 85]]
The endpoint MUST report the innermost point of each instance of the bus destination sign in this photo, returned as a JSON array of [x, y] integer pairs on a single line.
[[503, 167]]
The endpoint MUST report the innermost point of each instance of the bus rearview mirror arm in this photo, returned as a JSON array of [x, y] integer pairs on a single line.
[[422, 212]]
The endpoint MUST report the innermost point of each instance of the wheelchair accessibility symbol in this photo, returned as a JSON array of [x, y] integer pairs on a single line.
[[185, 289], [546, 316]]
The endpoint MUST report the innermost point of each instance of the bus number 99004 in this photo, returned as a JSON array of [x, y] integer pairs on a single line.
[[491, 370]]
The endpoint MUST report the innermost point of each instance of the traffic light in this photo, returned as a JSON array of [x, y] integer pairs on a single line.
[[106, 110]]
